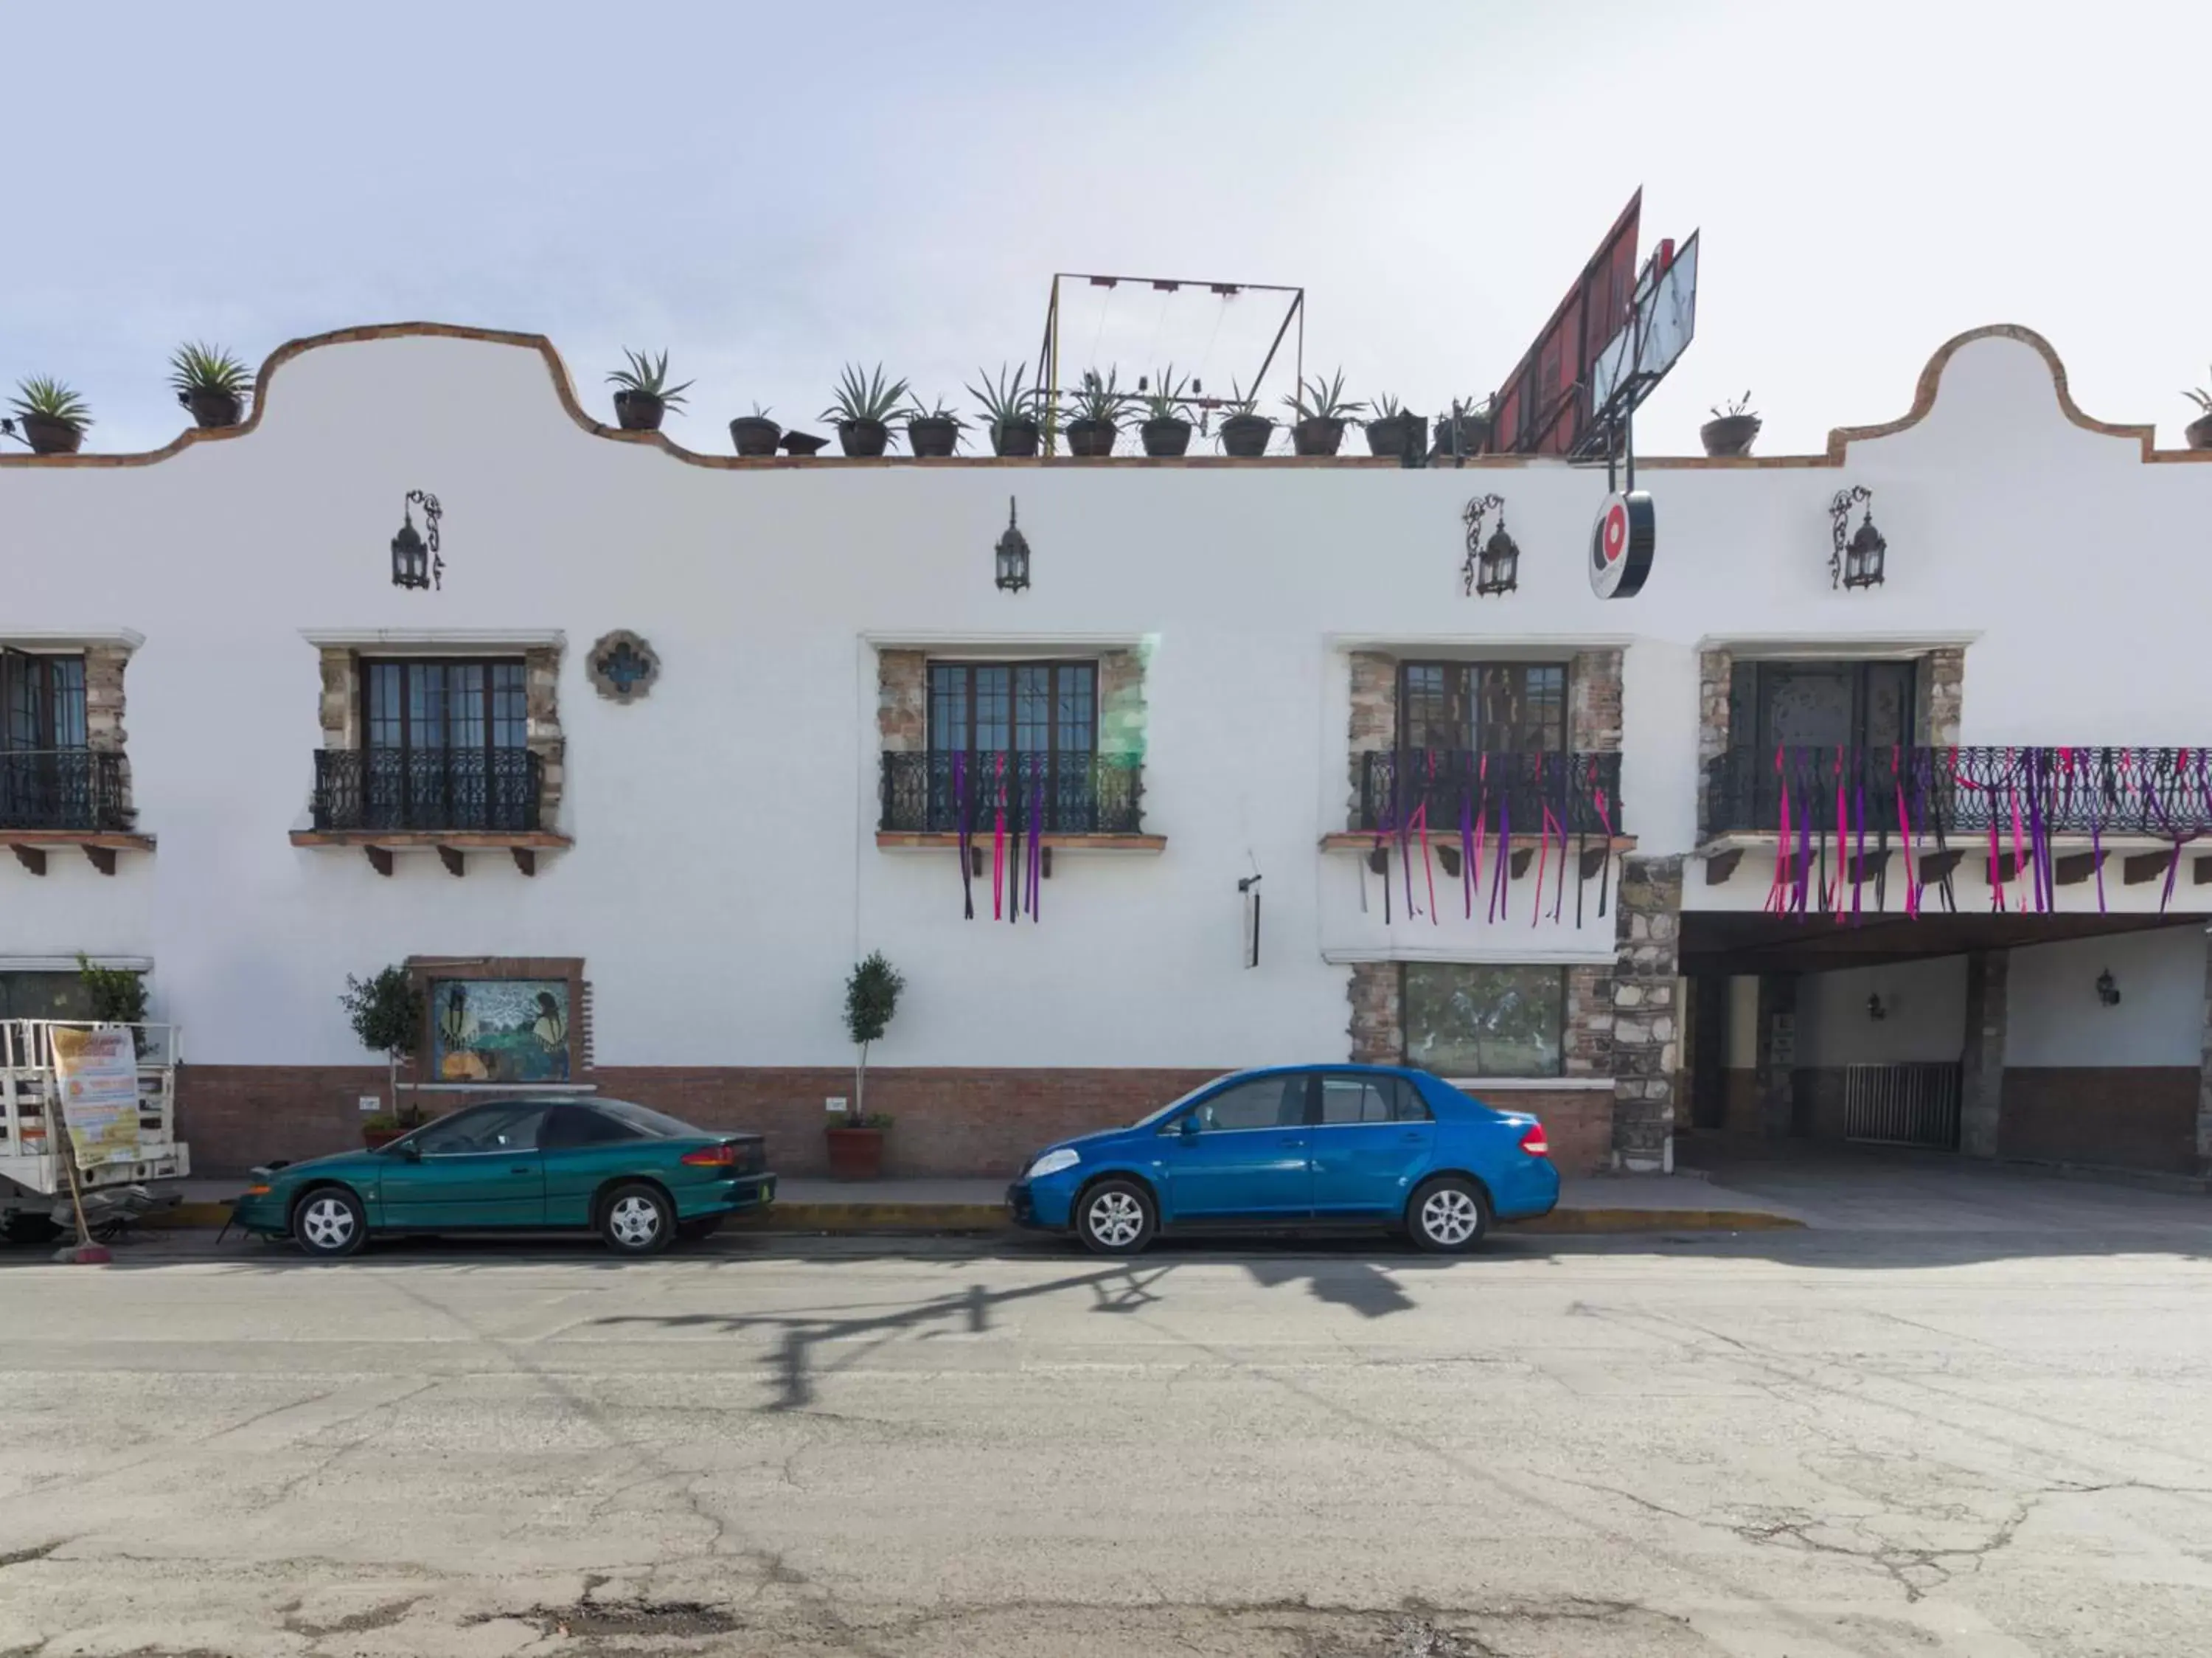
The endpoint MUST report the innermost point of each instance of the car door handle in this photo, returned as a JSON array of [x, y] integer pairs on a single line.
[[1412, 1137], [1291, 1142], [522, 1168]]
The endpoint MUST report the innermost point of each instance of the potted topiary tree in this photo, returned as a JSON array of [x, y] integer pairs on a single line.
[[1730, 432], [388, 1021], [644, 393], [1392, 433], [1094, 414], [1323, 413], [1011, 409], [863, 410], [2199, 431], [211, 383], [932, 433], [871, 994], [1166, 429], [1244, 430], [53, 418], [755, 434]]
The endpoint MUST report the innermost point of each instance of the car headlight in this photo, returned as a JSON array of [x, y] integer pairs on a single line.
[[1052, 1162]]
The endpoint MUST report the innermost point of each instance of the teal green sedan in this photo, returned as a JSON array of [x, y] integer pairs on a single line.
[[637, 1178]]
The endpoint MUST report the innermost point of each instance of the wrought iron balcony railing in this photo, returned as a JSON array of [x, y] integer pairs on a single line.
[[1070, 793], [1515, 792], [81, 789], [2043, 791], [429, 789]]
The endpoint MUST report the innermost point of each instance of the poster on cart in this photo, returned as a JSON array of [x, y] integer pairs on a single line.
[[97, 1075]]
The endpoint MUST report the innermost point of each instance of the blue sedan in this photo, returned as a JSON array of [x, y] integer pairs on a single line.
[[1297, 1145]]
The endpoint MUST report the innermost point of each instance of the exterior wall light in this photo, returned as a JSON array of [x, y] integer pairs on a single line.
[[415, 562], [1856, 561], [1874, 1007], [2108, 991], [1012, 555], [1491, 567]]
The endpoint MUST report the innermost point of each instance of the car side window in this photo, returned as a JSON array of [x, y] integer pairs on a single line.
[[1265, 1102], [485, 1128], [568, 1126], [1410, 1106], [1354, 1099]]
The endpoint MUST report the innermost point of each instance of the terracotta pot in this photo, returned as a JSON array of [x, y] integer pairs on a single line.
[[47, 435], [1395, 436], [1730, 434], [754, 435], [1245, 436], [863, 437], [636, 412], [1317, 435], [2199, 433], [212, 408], [855, 1153], [1015, 439], [931, 438], [1091, 438], [374, 1139], [1167, 435]]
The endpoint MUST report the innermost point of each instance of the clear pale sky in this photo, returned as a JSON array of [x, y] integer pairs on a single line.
[[767, 191]]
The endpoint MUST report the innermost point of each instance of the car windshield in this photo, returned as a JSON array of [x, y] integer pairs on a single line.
[[1180, 1101], [646, 1120]]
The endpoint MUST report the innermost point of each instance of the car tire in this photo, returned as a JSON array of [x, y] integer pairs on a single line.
[[1115, 1217], [1448, 1215], [329, 1223], [637, 1219], [700, 1230]]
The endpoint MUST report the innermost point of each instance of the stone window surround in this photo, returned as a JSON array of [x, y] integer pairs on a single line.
[[107, 656], [341, 653], [1377, 1030], [903, 683]]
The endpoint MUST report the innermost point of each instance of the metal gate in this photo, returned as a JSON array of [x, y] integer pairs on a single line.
[[1907, 1105]]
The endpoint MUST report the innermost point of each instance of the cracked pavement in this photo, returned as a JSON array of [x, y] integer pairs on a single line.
[[1786, 1444]]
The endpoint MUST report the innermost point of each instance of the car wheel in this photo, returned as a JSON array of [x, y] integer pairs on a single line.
[[637, 1220], [698, 1231], [1448, 1215], [329, 1223], [1115, 1217]]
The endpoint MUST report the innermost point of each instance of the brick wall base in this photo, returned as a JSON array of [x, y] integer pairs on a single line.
[[964, 1124]]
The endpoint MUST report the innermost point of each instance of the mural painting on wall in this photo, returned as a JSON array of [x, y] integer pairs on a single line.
[[500, 1030]]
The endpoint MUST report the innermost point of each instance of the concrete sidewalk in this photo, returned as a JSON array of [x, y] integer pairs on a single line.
[[1627, 1202]]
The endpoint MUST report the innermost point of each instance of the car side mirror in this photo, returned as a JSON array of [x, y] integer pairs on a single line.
[[1189, 1127], [410, 1151]]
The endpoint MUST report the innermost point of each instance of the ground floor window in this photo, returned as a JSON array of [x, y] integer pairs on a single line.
[[44, 995], [1467, 1019]]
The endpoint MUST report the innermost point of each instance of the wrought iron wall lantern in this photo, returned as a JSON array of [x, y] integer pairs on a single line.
[[1876, 1007], [414, 562], [1855, 561], [1012, 555], [1492, 566], [2108, 990]]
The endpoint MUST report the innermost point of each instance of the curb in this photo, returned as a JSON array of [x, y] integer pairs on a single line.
[[992, 1217]]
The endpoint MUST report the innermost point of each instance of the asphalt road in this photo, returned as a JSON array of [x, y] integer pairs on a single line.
[[1787, 1443]]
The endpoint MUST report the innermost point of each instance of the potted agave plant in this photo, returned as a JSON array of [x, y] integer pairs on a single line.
[[1244, 430], [2199, 431], [1094, 414], [755, 434], [53, 418], [1323, 414], [644, 393], [1392, 433], [1009, 408], [1730, 432], [1166, 429], [865, 407], [211, 382], [934, 432], [1466, 431]]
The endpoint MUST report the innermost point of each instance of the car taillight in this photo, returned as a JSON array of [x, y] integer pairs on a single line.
[[712, 1157], [1534, 1143]]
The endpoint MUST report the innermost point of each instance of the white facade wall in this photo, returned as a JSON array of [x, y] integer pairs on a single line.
[[725, 873]]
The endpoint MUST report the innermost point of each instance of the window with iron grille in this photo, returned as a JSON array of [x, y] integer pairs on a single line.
[[1483, 707], [42, 703], [50, 776], [444, 744], [1034, 725]]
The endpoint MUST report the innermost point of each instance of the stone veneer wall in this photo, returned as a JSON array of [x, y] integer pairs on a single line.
[[1715, 678], [103, 704], [1939, 691], [902, 701], [1594, 701], [1647, 1049], [1122, 702], [1374, 725]]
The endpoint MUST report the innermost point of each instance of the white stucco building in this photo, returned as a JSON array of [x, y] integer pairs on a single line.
[[322, 772]]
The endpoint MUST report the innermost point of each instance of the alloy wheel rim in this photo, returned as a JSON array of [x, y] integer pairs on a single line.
[[326, 1223], [1448, 1216], [635, 1221], [1117, 1218]]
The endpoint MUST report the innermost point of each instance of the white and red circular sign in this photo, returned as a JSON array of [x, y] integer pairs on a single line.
[[1620, 545]]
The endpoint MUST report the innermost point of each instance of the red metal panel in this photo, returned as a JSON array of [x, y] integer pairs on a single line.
[[1542, 406]]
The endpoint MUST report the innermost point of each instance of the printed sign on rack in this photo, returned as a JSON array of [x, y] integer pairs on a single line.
[[97, 1075]]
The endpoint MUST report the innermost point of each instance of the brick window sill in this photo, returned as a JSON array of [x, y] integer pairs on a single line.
[[450, 845]]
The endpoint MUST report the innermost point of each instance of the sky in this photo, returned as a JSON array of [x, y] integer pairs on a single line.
[[769, 191]]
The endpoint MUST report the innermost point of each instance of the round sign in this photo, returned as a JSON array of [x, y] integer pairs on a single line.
[[1620, 545]]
